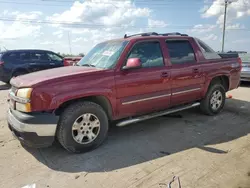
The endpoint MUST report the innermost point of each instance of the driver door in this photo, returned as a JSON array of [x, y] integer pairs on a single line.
[[146, 89]]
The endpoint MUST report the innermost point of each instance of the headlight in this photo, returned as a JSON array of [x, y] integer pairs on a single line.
[[22, 99], [24, 93]]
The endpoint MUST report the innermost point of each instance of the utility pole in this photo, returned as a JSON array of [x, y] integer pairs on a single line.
[[69, 44], [224, 24]]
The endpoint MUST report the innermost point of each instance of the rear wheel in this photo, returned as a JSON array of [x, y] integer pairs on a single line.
[[82, 127], [214, 100]]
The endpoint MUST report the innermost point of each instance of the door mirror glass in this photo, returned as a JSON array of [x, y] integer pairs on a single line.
[[133, 63]]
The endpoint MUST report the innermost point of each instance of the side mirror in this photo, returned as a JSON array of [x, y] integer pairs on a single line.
[[133, 63]]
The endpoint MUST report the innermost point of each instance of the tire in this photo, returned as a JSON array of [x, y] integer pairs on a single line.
[[84, 116], [210, 105]]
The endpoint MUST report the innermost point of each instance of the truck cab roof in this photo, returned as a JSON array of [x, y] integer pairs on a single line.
[[151, 35]]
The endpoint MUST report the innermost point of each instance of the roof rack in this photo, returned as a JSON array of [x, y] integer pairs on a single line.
[[155, 34], [175, 33], [141, 34]]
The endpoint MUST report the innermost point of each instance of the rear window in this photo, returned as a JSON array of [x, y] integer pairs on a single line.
[[13, 56], [207, 52], [17, 56]]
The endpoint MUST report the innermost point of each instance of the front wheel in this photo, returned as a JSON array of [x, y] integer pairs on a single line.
[[82, 127], [214, 100]]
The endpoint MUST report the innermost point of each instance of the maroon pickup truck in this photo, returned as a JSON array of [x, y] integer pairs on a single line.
[[124, 81]]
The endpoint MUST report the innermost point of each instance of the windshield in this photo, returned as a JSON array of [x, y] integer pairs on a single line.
[[103, 55]]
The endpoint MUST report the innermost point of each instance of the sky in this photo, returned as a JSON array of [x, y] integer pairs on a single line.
[[76, 26]]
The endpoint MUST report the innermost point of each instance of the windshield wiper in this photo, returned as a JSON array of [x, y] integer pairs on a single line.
[[88, 65]]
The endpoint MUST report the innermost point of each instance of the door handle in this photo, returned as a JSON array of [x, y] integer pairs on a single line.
[[164, 74], [195, 70]]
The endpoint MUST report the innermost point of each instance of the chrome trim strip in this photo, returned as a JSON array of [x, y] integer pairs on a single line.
[[19, 99], [145, 99], [160, 96], [186, 91], [157, 114]]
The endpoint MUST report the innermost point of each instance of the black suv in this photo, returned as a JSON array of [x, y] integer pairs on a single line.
[[18, 62]]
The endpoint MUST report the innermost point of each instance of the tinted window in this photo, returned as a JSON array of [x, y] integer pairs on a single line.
[[180, 51], [12, 57], [39, 56], [24, 56], [149, 54], [54, 57]]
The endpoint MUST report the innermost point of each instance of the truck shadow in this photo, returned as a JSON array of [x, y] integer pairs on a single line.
[[153, 139]]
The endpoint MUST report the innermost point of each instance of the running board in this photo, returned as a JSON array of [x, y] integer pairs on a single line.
[[157, 114]]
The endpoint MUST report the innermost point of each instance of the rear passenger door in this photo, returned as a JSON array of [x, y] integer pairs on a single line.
[[39, 61], [186, 75]]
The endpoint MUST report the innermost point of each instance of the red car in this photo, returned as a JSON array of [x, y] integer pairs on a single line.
[[70, 61], [124, 81]]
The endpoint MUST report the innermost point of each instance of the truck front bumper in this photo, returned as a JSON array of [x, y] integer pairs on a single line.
[[34, 130]]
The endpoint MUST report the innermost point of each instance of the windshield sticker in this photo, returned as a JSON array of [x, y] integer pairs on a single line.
[[108, 53]]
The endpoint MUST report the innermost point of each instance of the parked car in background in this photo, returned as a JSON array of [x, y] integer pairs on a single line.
[[123, 81], [245, 72], [18, 62], [70, 61]]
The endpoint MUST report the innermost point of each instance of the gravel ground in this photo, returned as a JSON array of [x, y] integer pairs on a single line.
[[203, 151]]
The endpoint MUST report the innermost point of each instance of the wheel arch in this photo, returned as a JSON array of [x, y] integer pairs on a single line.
[[222, 79], [103, 101]]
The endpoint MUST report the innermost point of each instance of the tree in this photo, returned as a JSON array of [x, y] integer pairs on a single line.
[[81, 54]]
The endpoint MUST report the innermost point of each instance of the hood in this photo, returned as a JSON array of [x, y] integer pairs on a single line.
[[39, 77]]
